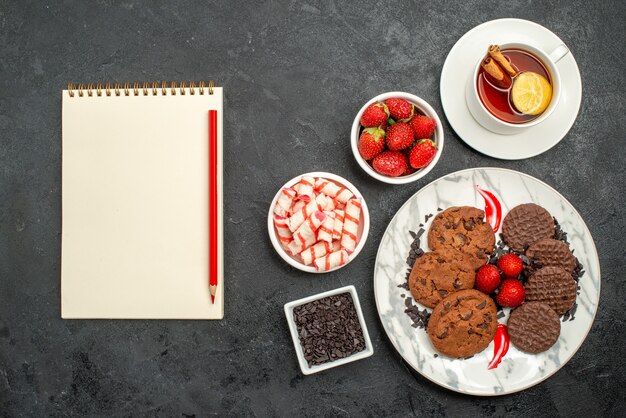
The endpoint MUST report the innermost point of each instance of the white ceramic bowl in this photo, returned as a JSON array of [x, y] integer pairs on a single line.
[[304, 365], [364, 225], [424, 108]]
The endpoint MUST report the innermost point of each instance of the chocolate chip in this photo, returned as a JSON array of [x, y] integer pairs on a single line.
[[482, 304], [466, 316], [459, 239], [469, 225], [443, 293], [443, 335], [457, 283], [423, 282]]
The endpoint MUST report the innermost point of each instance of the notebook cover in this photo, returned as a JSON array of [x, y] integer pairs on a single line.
[[135, 206]]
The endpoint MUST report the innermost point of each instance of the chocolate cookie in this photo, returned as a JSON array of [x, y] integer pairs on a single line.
[[534, 327], [463, 323], [550, 253], [553, 286], [463, 228], [437, 274], [526, 224]]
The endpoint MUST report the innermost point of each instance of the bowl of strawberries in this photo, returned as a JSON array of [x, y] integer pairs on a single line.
[[397, 137]]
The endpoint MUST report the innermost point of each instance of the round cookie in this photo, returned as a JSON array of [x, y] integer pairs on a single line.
[[463, 228], [553, 286], [463, 323], [526, 224], [551, 252], [437, 274], [534, 327]]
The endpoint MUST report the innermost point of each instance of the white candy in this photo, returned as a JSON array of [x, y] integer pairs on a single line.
[[351, 225], [332, 260], [325, 231], [338, 226], [305, 235], [282, 230], [339, 193], [298, 205], [307, 210], [283, 204], [305, 189], [318, 250]]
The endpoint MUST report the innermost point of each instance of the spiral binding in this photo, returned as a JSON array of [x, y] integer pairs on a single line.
[[136, 89]]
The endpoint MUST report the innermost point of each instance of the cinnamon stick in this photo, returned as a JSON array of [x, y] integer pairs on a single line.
[[496, 73], [496, 54]]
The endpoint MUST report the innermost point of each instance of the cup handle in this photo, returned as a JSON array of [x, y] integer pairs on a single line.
[[558, 53]]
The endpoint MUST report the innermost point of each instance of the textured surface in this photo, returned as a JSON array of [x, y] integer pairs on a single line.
[[463, 323], [437, 274], [295, 74], [465, 229], [526, 224], [550, 252], [534, 327], [553, 286]]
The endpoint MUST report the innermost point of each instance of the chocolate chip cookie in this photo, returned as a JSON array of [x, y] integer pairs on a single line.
[[526, 224], [534, 327], [463, 228], [463, 323], [550, 252], [554, 286], [437, 274]]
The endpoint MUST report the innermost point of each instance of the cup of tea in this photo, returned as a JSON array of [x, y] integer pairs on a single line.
[[514, 86]]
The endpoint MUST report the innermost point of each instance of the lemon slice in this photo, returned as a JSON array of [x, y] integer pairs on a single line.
[[531, 93]]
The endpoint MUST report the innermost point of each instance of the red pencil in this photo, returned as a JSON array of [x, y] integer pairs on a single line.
[[213, 221]]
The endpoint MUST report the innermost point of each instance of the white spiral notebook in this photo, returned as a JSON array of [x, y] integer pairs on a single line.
[[135, 177]]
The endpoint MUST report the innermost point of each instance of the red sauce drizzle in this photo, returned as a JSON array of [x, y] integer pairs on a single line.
[[493, 208], [501, 346]]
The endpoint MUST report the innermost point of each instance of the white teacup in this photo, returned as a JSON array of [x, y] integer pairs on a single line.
[[492, 123]]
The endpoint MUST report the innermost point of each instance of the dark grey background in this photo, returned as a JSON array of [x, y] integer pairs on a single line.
[[294, 75]]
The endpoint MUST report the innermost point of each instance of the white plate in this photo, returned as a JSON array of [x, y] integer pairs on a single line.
[[518, 370], [459, 66]]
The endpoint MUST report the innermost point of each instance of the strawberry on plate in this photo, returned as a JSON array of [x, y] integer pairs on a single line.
[[371, 142], [422, 153], [399, 136], [487, 279], [510, 264], [423, 126], [375, 115], [511, 293], [390, 163], [400, 109]]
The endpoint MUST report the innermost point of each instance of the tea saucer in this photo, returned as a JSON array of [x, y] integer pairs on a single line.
[[458, 68]]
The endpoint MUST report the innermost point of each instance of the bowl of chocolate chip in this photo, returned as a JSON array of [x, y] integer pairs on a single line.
[[328, 330]]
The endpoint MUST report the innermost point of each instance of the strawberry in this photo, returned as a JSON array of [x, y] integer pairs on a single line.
[[511, 294], [409, 170], [371, 142], [399, 136], [385, 125], [423, 126], [400, 109], [422, 153], [374, 115], [510, 264], [487, 279], [390, 163]]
